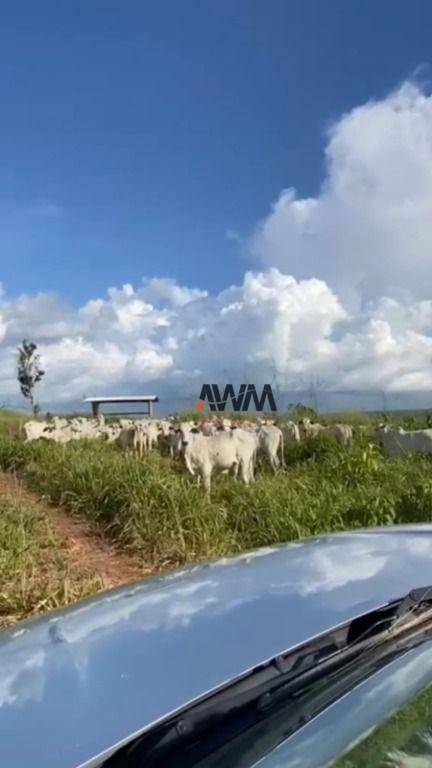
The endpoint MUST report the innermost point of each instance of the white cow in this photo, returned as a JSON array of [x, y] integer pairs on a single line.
[[165, 425], [61, 430], [34, 430], [208, 428], [309, 429], [291, 432], [58, 434], [224, 424], [341, 432], [185, 427], [88, 429], [222, 452], [265, 421], [271, 442], [126, 423], [110, 431], [139, 435], [46, 430], [250, 440], [64, 434], [148, 434], [251, 427], [58, 422], [142, 441], [397, 442]]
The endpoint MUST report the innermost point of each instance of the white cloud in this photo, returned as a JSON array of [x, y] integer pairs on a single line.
[[165, 290], [370, 227], [271, 324], [272, 327]]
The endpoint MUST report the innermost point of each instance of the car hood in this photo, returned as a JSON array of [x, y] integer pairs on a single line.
[[79, 681]]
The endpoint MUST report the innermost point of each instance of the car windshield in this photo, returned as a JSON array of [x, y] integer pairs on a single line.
[[403, 741]]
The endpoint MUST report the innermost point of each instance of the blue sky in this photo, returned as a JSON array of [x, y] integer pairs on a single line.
[[266, 166], [135, 137]]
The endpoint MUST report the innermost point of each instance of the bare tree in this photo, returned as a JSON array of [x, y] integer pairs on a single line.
[[29, 371], [312, 389]]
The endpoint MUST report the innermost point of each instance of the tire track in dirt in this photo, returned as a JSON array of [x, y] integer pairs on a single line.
[[82, 548]]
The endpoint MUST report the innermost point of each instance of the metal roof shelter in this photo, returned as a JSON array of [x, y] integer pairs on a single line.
[[96, 402]]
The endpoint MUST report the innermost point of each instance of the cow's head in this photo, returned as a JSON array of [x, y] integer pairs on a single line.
[[186, 435]]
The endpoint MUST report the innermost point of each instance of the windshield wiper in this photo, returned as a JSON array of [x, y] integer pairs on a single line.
[[417, 599], [411, 608], [302, 681]]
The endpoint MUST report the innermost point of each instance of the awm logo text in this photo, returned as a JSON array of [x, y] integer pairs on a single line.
[[240, 402]]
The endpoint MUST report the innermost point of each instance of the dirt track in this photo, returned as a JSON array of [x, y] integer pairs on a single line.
[[82, 548]]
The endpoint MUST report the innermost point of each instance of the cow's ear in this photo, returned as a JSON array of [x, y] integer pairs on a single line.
[[195, 431]]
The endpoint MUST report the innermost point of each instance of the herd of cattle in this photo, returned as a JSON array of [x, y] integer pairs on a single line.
[[217, 444]]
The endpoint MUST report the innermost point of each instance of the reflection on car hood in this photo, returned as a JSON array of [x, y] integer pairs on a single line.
[[78, 681]]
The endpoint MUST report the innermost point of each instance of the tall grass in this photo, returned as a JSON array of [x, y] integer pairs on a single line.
[[152, 505], [11, 422], [33, 573]]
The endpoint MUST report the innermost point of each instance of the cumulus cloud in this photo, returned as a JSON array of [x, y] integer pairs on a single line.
[[169, 338], [271, 323], [369, 230]]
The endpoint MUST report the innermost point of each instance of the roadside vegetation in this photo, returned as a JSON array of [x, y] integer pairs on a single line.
[[153, 507], [34, 575]]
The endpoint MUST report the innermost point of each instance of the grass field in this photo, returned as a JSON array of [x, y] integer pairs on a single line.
[[152, 507]]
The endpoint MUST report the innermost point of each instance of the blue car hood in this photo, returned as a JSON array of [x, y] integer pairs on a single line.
[[77, 682]]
